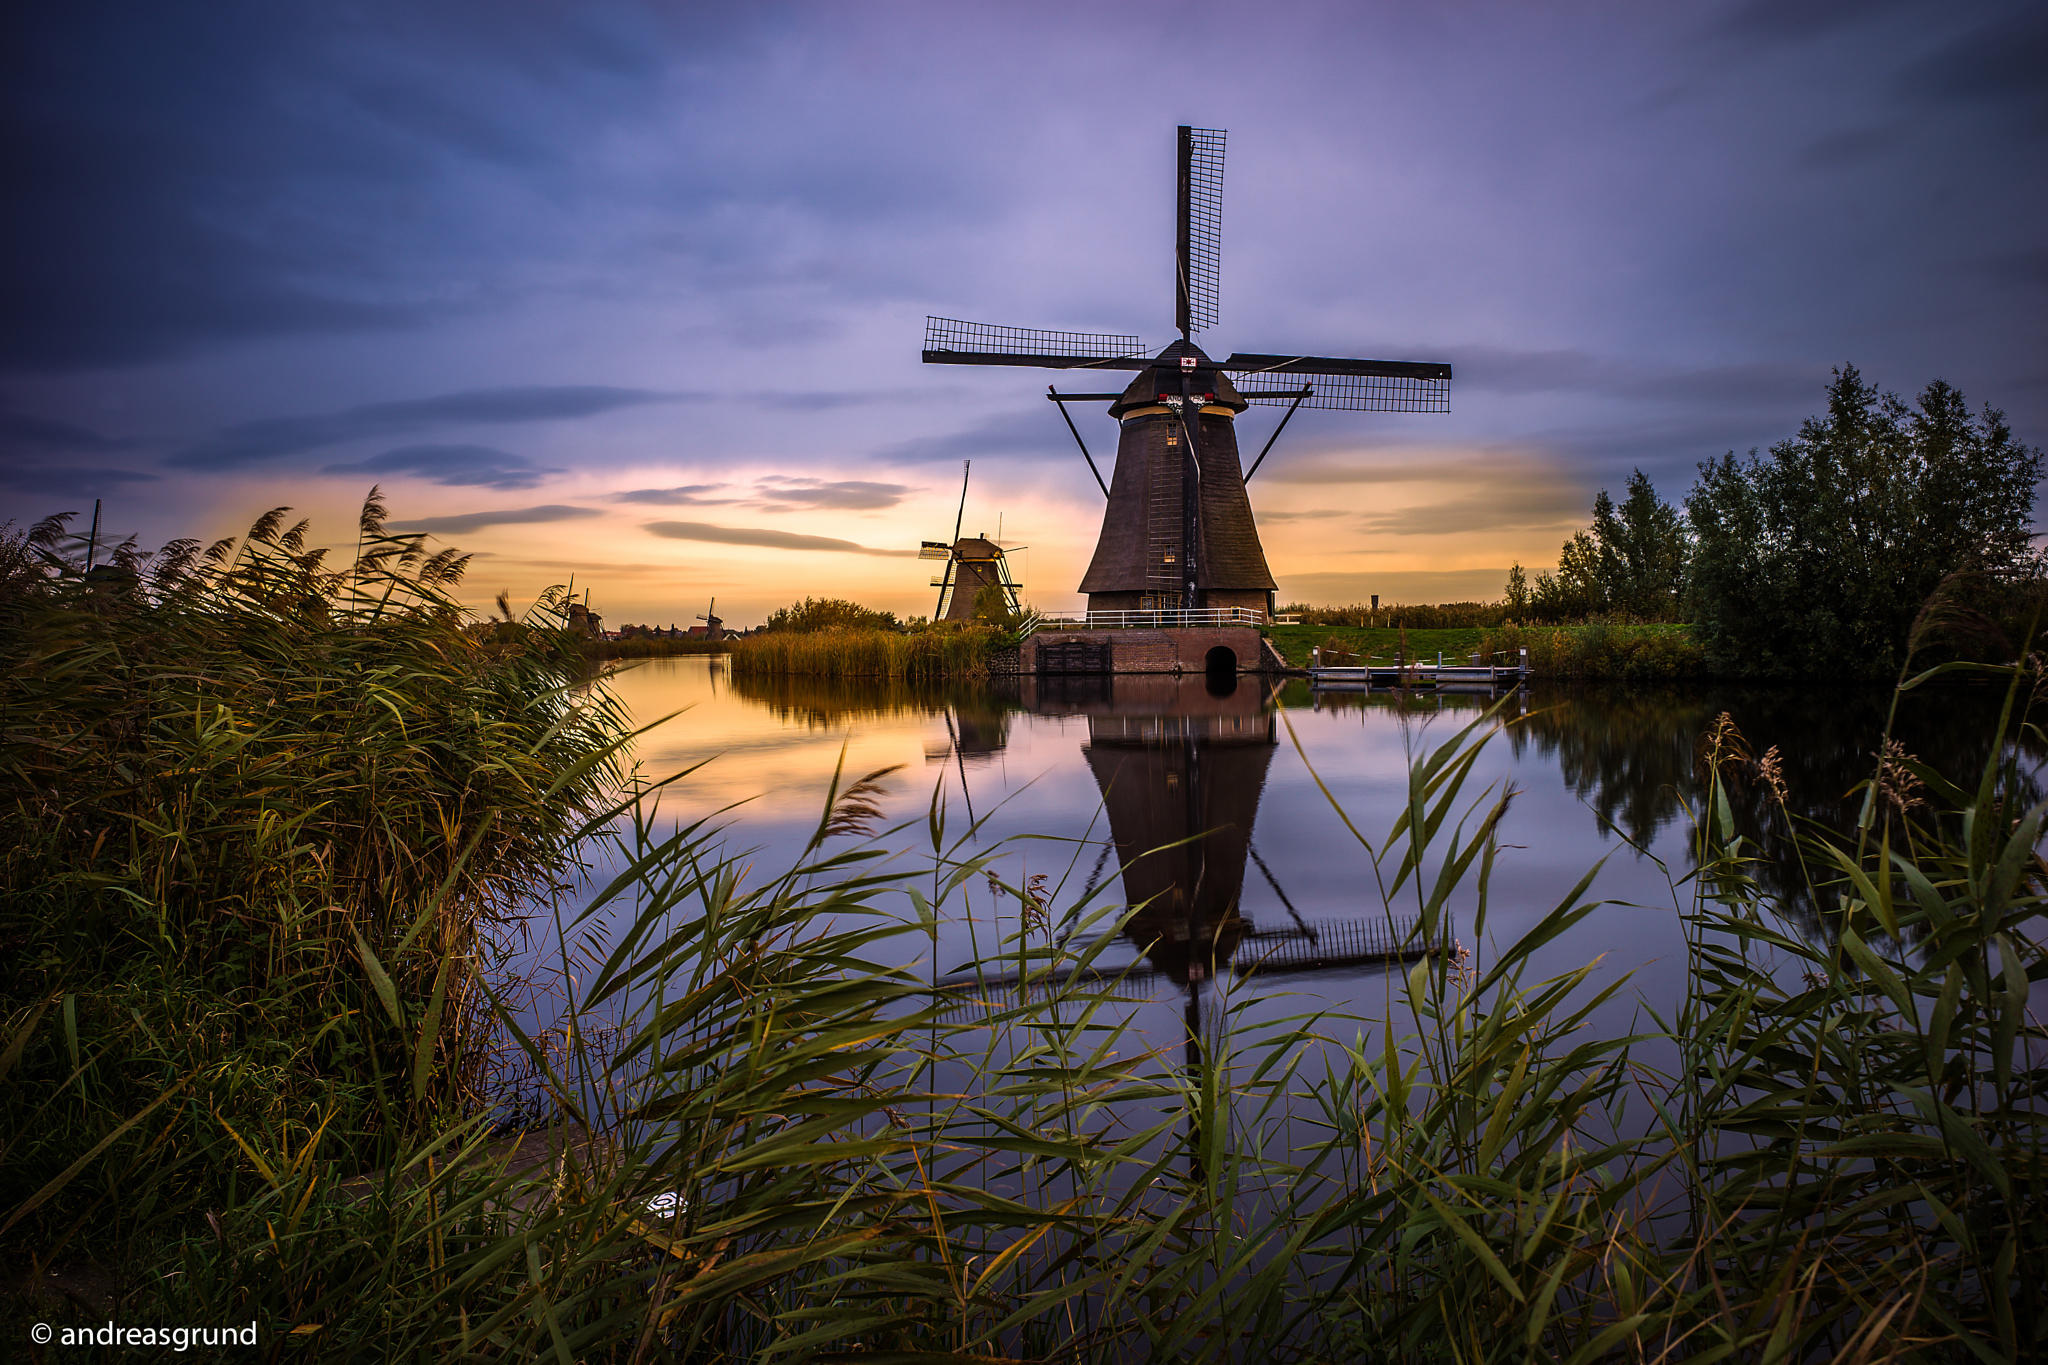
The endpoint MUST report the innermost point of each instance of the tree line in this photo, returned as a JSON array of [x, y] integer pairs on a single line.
[[1879, 521]]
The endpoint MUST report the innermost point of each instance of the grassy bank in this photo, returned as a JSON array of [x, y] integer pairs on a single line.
[[1596, 650], [1295, 643], [842, 652]]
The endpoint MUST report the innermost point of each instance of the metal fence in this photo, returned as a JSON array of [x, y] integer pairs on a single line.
[[1157, 619]]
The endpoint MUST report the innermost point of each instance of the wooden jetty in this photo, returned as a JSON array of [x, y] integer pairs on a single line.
[[1470, 676]]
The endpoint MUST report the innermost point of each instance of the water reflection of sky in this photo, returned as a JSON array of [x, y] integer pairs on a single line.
[[1595, 775], [1071, 780]]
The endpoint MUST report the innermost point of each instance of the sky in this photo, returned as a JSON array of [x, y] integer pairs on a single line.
[[635, 293]]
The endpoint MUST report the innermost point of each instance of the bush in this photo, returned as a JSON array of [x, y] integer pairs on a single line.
[[1602, 650]]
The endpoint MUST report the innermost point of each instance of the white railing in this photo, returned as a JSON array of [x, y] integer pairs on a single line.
[[1155, 620]]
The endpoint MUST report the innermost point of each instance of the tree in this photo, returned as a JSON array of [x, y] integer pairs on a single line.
[[1579, 591], [1816, 560], [1643, 552], [829, 613], [1517, 591], [1631, 561]]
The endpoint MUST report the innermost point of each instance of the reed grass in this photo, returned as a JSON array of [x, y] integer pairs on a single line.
[[778, 1142], [262, 820], [638, 647], [958, 652]]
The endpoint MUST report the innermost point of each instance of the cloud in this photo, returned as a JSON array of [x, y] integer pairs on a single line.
[[2026, 268], [1026, 430], [1852, 145], [779, 493], [1510, 491], [1501, 370], [850, 495], [20, 431], [831, 400], [273, 437], [1999, 61], [1320, 515], [469, 466], [1347, 469], [1768, 23], [774, 540], [242, 171], [1536, 506], [60, 480], [682, 495], [510, 516], [38, 459], [1672, 443]]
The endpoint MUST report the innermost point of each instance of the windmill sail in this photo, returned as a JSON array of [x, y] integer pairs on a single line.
[[1198, 240], [1349, 385], [951, 341]]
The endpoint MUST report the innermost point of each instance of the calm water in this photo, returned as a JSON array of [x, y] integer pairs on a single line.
[[1268, 873]]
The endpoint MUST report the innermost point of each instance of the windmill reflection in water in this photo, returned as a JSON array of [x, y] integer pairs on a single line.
[[1181, 764]]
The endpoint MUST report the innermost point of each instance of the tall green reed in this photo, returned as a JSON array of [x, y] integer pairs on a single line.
[[263, 819]]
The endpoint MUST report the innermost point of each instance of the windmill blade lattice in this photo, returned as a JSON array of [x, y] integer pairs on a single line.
[[1350, 392], [1201, 226], [1350, 385], [957, 342]]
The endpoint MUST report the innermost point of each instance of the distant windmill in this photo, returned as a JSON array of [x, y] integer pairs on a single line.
[[714, 627], [972, 563], [1178, 530]]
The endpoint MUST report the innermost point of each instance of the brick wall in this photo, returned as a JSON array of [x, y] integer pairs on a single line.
[[1159, 651]]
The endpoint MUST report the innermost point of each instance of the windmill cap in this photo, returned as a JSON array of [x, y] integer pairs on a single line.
[[1164, 376]]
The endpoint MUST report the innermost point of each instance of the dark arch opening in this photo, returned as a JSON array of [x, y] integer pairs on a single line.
[[1219, 670]]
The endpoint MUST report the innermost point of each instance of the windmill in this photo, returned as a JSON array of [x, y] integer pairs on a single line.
[[714, 625], [972, 563], [1178, 532]]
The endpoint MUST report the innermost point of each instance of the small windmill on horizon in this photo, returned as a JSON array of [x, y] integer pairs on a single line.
[[972, 563], [1178, 532], [714, 625]]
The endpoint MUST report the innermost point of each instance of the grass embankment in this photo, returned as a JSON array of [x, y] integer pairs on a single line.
[[1373, 643], [1597, 650], [1830, 1146], [845, 652]]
